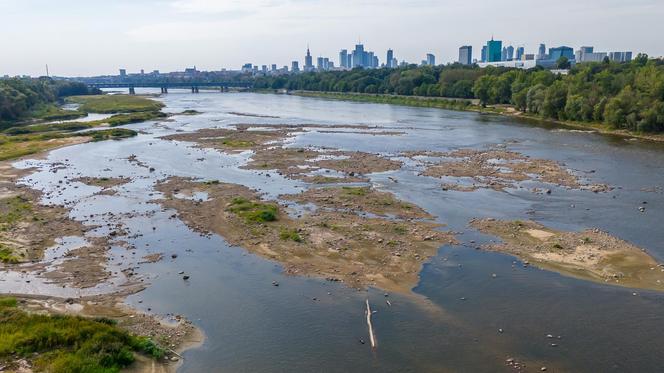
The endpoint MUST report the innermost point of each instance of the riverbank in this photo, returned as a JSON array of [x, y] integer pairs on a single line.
[[141, 342], [473, 106]]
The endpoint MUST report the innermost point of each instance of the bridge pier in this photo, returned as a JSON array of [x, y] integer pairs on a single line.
[[132, 91]]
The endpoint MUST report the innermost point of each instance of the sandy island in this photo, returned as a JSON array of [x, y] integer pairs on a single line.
[[590, 255]]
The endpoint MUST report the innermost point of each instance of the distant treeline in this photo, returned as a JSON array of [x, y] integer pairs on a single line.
[[624, 95], [20, 96]]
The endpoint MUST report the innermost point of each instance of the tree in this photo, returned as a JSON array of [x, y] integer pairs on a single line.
[[555, 100], [563, 63], [482, 89]]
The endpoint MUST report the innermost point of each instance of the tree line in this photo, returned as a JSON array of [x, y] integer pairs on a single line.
[[20, 96], [624, 95]]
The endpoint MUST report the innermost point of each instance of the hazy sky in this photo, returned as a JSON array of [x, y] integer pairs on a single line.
[[89, 37]]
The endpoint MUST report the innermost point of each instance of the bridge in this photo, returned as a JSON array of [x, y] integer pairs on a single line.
[[164, 86]]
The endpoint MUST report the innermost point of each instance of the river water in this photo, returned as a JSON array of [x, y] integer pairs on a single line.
[[451, 322]]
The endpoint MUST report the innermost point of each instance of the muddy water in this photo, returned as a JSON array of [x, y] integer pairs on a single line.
[[451, 322]]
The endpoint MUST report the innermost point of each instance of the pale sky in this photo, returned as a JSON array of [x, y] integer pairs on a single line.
[[91, 37]]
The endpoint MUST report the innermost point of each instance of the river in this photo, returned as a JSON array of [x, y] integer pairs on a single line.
[[459, 318]]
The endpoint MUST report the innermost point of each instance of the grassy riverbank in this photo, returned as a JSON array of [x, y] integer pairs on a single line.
[[473, 105], [108, 104], [63, 343], [25, 138]]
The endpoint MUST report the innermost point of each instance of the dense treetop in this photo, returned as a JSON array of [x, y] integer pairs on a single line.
[[624, 95], [20, 96]]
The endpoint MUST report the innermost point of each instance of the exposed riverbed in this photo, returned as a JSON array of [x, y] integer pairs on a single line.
[[471, 310]]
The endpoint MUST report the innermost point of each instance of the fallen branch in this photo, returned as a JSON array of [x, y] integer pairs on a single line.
[[372, 337], [176, 354]]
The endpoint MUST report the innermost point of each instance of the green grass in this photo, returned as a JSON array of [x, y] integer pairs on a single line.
[[7, 256], [111, 134], [114, 121], [7, 302], [237, 143], [290, 234], [106, 104], [400, 229], [356, 191], [13, 210], [53, 112], [253, 212], [64, 344]]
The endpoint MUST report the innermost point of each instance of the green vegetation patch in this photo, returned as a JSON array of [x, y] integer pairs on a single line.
[[63, 344], [106, 104], [13, 210], [254, 212], [7, 255], [53, 112], [237, 143], [111, 134], [190, 112], [290, 234], [356, 191]]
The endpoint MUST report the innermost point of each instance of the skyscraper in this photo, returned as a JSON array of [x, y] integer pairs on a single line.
[[431, 59], [510, 53], [343, 58], [484, 53], [541, 54], [389, 58], [320, 63], [295, 67], [308, 61], [494, 51], [520, 51], [359, 58], [466, 55]]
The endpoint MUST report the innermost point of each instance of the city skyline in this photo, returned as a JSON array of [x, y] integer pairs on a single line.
[[166, 35]]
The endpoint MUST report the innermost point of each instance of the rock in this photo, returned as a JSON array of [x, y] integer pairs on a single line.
[[642, 209], [549, 336], [543, 369], [500, 331], [185, 277], [175, 358], [174, 256], [274, 283]]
